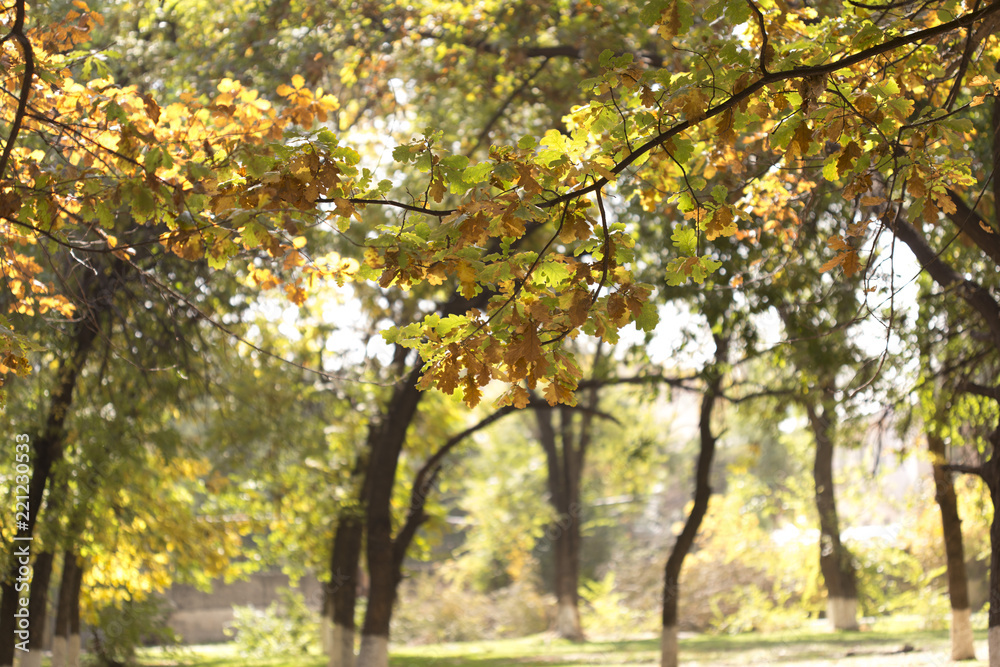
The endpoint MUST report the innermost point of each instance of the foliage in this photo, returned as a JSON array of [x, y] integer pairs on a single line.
[[122, 628], [432, 609], [743, 578], [286, 626], [605, 611], [237, 171]]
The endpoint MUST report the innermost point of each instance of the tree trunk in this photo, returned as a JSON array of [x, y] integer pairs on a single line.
[[669, 645], [47, 450], [386, 439], [61, 640], [342, 590], [564, 466], [73, 650], [991, 475], [834, 560], [958, 586], [37, 608]]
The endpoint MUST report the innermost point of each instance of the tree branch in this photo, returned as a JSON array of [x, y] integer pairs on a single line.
[[975, 227], [977, 296], [979, 389], [427, 475], [498, 114], [17, 34], [679, 383], [774, 77], [730, 103], [963, 468]]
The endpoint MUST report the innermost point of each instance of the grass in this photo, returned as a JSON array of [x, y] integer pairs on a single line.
[[799, 648]]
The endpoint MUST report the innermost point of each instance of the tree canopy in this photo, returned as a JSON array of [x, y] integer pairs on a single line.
[[722, 118]]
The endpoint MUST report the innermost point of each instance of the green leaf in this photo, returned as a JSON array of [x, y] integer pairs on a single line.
[[505, 171], [253, 234], [455, 161], [477, 173], [737, 11], [143, 201], [527, 143], [830, 171], [114, 112], [258, 165], [553, 273], [153, 159], [649, 15], [714, 11], [704, 268], [401, 153], [685, 240], [648, 317]]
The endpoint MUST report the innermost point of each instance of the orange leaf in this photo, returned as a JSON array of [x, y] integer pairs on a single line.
[[721, 224], [833, 263], [851, 264]]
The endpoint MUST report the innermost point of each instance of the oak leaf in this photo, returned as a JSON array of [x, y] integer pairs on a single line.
[[721, 223]]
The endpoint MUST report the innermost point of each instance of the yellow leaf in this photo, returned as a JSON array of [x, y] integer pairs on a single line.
[[298, 81], [976, 81], [871, 200]]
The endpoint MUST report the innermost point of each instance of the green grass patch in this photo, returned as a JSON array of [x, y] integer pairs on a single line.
[[799, 648]]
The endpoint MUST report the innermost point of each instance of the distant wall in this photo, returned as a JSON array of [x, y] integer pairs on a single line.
[[201, 617]]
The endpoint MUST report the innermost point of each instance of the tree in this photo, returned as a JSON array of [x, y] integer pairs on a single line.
[[868, 97], [713, 378]]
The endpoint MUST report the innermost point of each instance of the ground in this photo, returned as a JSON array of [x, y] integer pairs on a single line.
[[801, 648]]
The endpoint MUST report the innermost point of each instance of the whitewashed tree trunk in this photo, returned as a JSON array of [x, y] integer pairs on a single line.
[[843, 613], [962, 647], [73, 652], [341, 646], [374, 651], [669, 647], [32, 658], [60, 652], [568, 621], [994, 647], [326, 633]]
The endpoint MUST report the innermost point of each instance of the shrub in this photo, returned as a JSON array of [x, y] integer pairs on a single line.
[[122, 628], [432, 609], [286, 626]]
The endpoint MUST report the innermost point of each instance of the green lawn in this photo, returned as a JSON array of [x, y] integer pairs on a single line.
[[801, 648]]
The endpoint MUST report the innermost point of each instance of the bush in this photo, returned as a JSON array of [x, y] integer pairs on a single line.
[[286, 626], [121, 629], [431, 610], [606, 612]]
